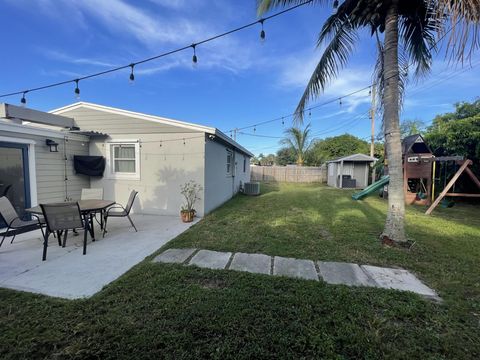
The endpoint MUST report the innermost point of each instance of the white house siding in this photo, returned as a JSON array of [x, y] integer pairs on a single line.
[[163, 168], [51, 185], [221, 186]]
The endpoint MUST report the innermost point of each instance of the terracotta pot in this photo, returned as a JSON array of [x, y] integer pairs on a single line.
[[187, 215]]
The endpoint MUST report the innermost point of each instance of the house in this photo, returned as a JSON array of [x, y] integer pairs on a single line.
[[151, 154], [349, 171]]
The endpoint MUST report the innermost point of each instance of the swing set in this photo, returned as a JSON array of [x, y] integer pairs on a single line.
[[463, 168]]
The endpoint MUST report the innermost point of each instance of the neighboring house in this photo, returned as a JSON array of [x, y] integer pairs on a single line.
[[349, 171], [150, 154]]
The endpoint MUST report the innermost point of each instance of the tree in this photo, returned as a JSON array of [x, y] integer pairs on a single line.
[[337, 146], [411, 127], [299, 141], [457, 133], [409, 29], [285, 156]]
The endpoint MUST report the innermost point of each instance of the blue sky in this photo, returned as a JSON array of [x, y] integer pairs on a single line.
[[238, 80]]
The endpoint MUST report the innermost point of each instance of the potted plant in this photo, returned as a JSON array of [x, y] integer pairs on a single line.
[[190, 191]]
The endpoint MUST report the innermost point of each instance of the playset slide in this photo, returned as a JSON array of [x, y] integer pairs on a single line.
[[375, 187]]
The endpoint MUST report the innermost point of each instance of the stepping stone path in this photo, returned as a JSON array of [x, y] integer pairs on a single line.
[[330, 272]]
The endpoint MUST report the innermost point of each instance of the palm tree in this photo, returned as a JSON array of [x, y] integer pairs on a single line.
[[299, 141], [405, 33]]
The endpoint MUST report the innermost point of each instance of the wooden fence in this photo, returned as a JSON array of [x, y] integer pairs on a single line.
[[299, 174]]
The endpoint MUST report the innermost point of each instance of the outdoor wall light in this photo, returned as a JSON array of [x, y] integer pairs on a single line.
[[52, 144]]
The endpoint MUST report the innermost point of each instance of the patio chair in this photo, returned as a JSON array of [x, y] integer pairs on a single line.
[[15, 224], [92, 194], [60, 218], [118, 210]]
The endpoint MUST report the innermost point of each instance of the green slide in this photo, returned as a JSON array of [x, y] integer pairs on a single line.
[[372, 188]]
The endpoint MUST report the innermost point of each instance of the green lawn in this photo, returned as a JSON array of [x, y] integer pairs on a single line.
[[171, 311]]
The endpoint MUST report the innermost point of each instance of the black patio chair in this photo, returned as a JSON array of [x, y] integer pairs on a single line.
[[15, 224], [60, 218], [118, 210]]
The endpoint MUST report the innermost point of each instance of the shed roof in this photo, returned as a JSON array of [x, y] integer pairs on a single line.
[[354, 158]]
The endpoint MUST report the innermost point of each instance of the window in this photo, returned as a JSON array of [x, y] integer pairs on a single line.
[[123, 160], [244, 164], [229, 162]]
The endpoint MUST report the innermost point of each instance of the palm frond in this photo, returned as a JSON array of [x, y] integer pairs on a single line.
[[335, 57], [461, 20], [264, 6]]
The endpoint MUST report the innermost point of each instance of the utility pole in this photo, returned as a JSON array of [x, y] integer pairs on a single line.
[[372, 140], [235, 134]]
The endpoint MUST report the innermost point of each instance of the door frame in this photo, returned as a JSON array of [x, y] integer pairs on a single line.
[[29, 165]]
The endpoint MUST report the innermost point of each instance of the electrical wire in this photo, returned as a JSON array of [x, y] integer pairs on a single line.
[[171, 52]]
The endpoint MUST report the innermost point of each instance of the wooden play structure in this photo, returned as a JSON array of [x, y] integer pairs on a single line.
[[419, 168], [463, 168]]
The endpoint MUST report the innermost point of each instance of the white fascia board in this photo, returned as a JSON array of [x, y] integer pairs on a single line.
[[32, 130], [239, 147], [136, 115]]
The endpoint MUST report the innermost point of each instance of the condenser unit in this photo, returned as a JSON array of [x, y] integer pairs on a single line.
[[251, 188]]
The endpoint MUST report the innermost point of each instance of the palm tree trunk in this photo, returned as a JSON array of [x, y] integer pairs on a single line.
[[394, 230]]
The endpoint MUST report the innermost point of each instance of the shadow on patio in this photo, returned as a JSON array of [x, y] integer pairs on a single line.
[[67, 273]]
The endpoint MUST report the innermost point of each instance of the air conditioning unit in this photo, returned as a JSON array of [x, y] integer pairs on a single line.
[[251, 188]]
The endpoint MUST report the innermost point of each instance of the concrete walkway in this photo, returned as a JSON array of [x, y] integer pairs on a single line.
[[331, 272]]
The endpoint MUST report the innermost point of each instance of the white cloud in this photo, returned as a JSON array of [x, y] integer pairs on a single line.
[[295, 72]]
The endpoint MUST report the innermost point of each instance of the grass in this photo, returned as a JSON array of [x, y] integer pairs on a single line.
[[171, 311]]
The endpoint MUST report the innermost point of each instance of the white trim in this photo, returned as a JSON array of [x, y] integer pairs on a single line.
[[32, 171], [152, 118], [109, 164], [32, 130], [137, 115]]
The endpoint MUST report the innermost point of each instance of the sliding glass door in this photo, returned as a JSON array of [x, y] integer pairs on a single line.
[[14, 177]]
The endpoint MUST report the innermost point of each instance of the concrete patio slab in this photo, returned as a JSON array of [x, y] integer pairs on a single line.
[[344, 273], [67, 273], [304, 269], [211, 259], [398, 279], [254, 263], [177, 256]]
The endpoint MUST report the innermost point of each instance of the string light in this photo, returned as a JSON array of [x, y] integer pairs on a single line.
[[77, 89], [194, 57], [23, 100], [262, 33], [283, 121], [340, 101], [335, 4], [132, 76], [255, 128], [310, 112]]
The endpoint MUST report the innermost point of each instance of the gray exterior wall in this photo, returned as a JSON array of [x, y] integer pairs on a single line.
[[357, 170], [113, 124], [219, 186], [162, 171], [51, 184], [50, 168]]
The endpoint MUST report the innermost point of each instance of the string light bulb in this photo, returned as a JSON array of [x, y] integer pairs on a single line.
[[335, 4], [283, 121], [262, 32], [23, 100], [340, 102], [194, 57], [310, 112], [255, 128], [132, 75], [77, 89]]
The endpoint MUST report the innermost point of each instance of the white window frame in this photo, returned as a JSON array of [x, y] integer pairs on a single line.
[[110, 163], [229, 168]]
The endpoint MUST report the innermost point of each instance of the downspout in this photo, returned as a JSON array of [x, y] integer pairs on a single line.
[[234, 170], [65, 141]]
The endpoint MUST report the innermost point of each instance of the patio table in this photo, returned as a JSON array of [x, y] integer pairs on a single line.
[[87, 208]]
